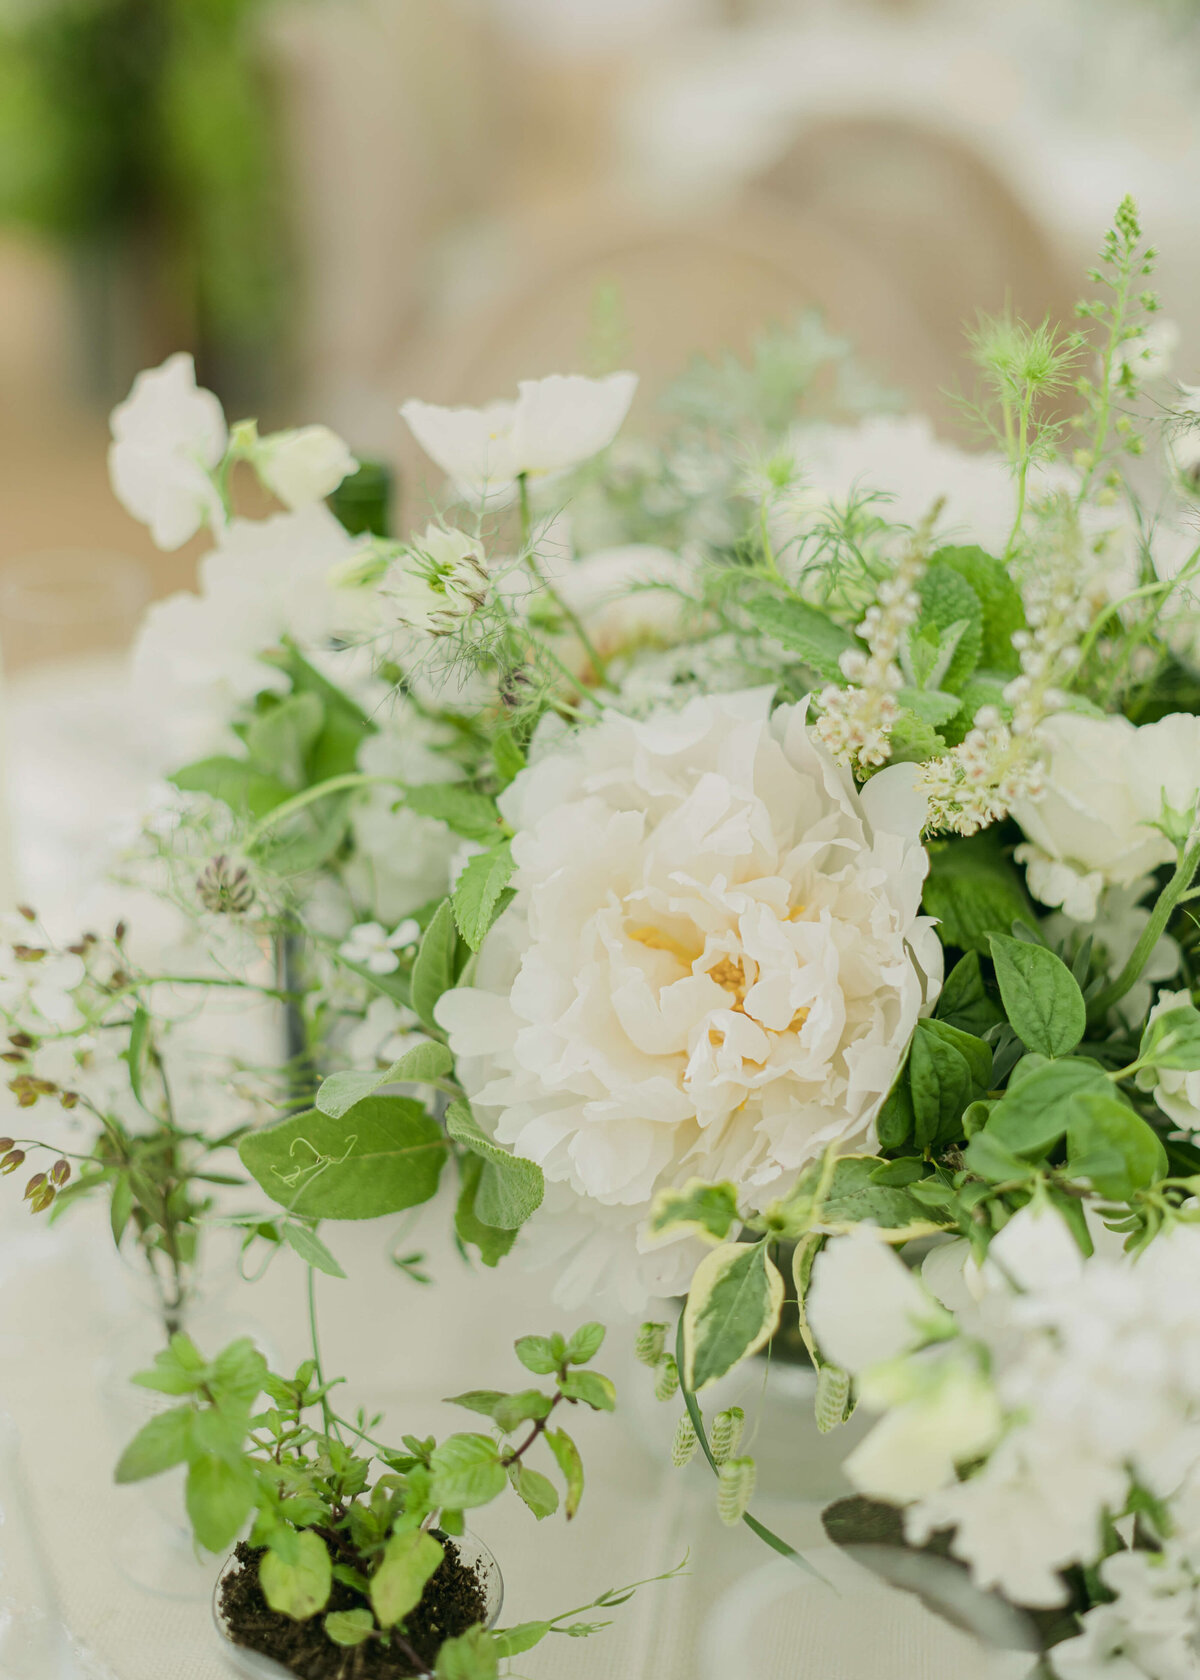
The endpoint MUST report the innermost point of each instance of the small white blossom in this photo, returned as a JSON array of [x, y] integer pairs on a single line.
[[555, 424], [370, 945], [168, 436], [304, 465], [1175, 1091]]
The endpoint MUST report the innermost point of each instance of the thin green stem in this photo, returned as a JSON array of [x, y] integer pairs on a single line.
[[309, 796], [1022, 472], [327, 1414], [1104, 401], [1151, 934], [598, 663]]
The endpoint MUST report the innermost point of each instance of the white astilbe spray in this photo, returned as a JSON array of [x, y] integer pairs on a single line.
[[998, 763], [857, 722]]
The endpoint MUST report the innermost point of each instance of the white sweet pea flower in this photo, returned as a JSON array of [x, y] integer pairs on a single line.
[[371, 946], [555, 424], [303, 465], [1177, 1093], [1104, 788], [865, 1306], [712, 968], [942, 1412], [439, 580], [168, 436]]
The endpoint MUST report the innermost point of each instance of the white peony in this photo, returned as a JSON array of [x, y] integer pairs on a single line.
[[1105, 784], [168, 435], [303, 465], [555, 424], [712, 967]]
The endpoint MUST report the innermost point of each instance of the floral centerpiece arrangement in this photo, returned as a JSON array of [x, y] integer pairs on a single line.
[[765, 851]]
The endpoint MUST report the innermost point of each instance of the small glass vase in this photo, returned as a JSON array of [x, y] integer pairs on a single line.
[[253, 1665]]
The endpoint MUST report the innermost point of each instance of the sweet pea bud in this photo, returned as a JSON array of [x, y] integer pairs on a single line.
[[650, 1343], [12, 1160], [666, 1384], [726, 1436], [60, 1172], [833, 1394], [683, 1448], [735, 1489]]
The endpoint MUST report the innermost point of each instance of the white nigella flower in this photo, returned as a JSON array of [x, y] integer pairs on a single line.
[[371, 946], [554, 424], [712, 967], [168, 436], [303, 465], [1104, 787], [439, 580]]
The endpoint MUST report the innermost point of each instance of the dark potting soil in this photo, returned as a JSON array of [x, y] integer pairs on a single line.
[[454, 1600]]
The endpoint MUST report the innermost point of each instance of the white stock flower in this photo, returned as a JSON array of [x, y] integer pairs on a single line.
[[439, 580], [1177, 1093], [1105, 784], [372, 947], [168, 435], [554, 424], [712, 967], [303, 465]]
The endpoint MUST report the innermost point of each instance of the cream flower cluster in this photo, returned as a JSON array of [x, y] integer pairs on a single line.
[[1072, 1380], [857, 722], [713, 965]]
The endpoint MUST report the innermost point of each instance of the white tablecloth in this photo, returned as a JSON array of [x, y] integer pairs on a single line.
[[67, 1311]]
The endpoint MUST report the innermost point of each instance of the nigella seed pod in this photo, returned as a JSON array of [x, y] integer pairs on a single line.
[[12, 1160], [34, 1185], [651, 1340], [60, 1172], [225, 888], [726, 1434]]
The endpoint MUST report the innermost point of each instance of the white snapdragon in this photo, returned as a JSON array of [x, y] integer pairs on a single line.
[[168, 437], [439, 580], [1105, 784], [370, 946], [302, 465], [554, 424]]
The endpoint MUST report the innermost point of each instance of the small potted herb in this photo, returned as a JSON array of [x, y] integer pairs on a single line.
[[358, 1565]]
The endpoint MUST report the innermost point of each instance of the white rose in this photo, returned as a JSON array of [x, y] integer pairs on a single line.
[[168, 435], [303, 465], [1104, 786], [712, 967], [554, 424], [1177, 1093]]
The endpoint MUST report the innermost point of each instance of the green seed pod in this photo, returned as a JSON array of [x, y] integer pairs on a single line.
[[833, 1393], [683, 1448], [34, 1185], [12, 1160], [666, 1384], [39, 1202], [5, 1145], [735, 1489], [651, 1340], [726, 1435], [60, 1172]]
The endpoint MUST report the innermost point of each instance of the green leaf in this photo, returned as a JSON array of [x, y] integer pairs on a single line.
[[945, 1074], [566, 1456], [471, 814], [279, 738], [896, 1121], [436, 967], [339, 1093], [538, 1491], [120, 1208], [965, 1001], [397, 1586], [856, 1196], [479, 892], [537, 1354], [349, 1627], [514, 1641], [385, 1154], [952, 612], [586, 1343], [732, 1309], [466, 1472], [220, 1496], [1101, 1125], [335, 751], [804, 630], [302, 843], [1172, 1040], [472, 1656], [1000, 602], [507, 756], [510, 1189], [700, 1209], [512, 1410], [1041, 995], [300, 1587], [178, 1369], [988, 1157], [166, 1440], [1035, 1110], [493, 1244], [591, 1388], [930, 705], [311, 1249], [974, 890], [238, 1375], [236, 782], [482, 1400]]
